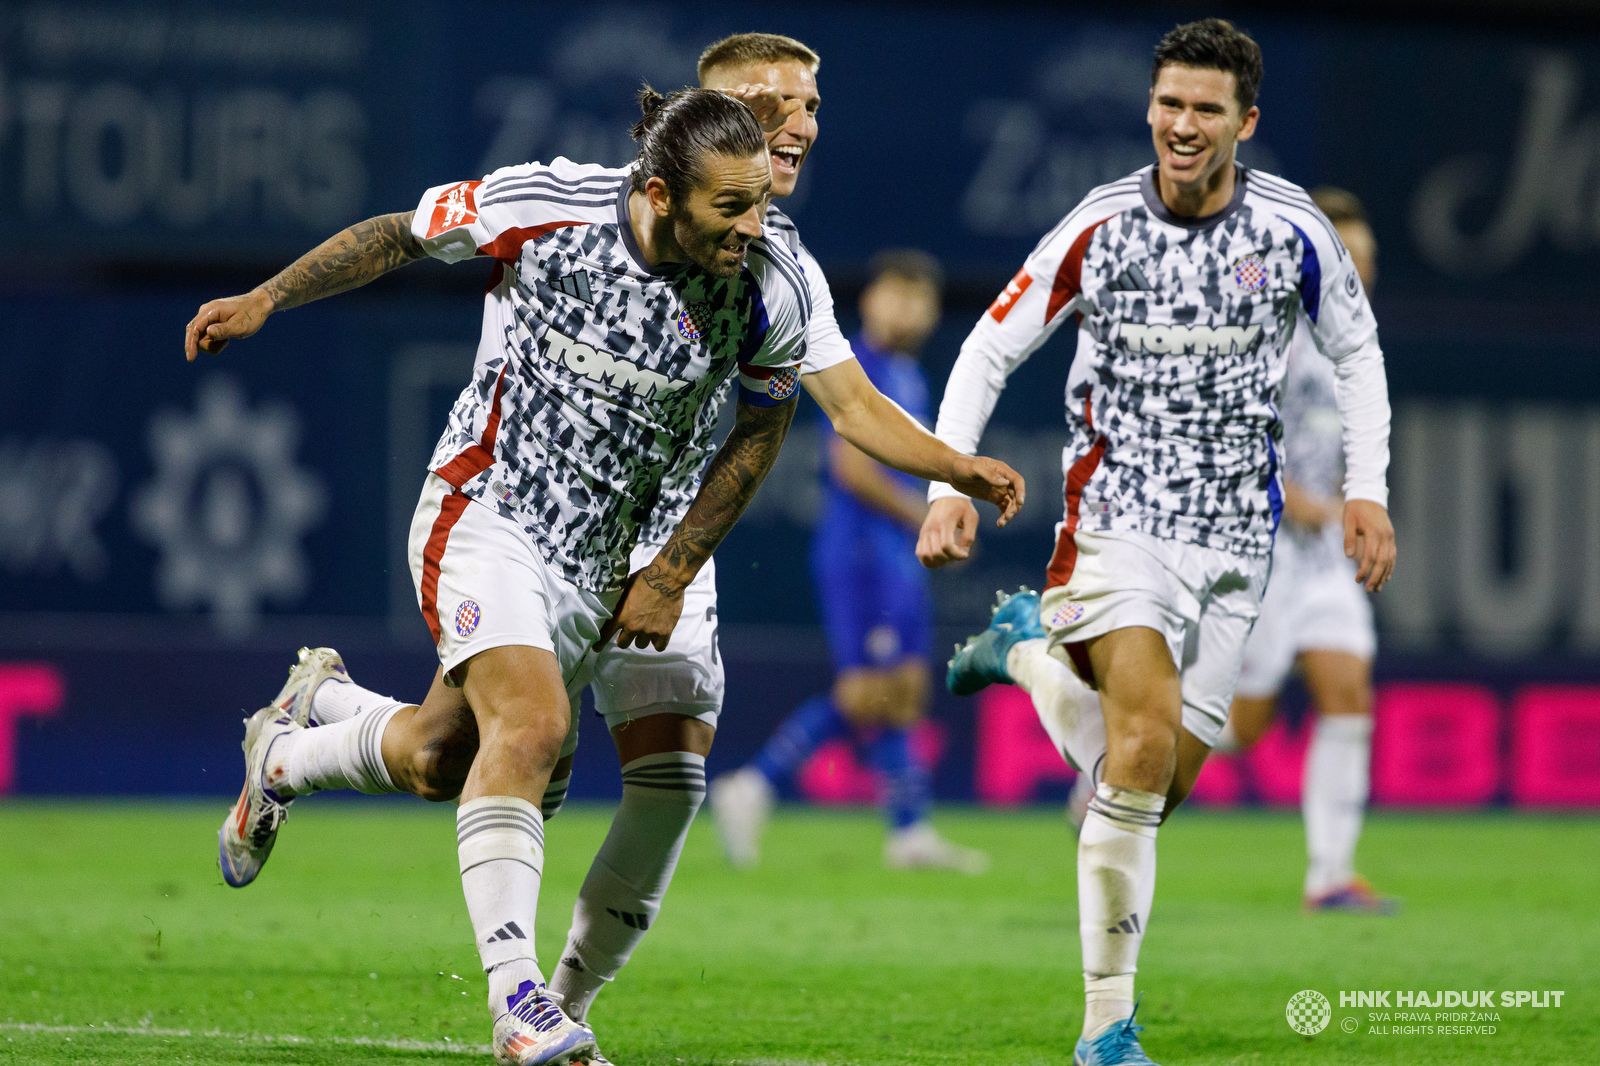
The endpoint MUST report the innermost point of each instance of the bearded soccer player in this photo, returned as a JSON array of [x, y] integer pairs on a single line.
[[552, 458], [1185, 282], [659, 691]]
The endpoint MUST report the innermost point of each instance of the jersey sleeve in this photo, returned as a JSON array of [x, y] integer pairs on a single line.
[[497, 215], [769, 374], [1343, 328], [825, 343], [1028, 311]]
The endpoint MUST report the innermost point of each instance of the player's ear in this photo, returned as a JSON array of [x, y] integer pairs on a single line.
[[1248, 128], [660, 199]]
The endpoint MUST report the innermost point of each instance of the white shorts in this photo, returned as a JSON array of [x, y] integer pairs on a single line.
[[685, 679], [1202, 600], [481, 584], [1308, 607]]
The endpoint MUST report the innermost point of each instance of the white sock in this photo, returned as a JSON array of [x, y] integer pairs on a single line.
[[1116, 886], [622, 894], [1334, 797], [1068, 709], [346, 755], [500, 841], [340, 699]]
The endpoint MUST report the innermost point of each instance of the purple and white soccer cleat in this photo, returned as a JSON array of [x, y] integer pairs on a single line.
[[311, 669], [251, 828], [534, 1031]]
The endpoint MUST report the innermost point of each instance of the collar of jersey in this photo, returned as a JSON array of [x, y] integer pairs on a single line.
[[625, 225], [1152, 200]]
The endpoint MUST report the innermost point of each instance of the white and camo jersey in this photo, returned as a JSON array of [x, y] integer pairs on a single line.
[[1182, 329], [596, 375], [825, 346], [1313, 456]]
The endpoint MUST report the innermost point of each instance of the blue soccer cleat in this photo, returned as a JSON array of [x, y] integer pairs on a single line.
[[981, 662], [1118, 1045]]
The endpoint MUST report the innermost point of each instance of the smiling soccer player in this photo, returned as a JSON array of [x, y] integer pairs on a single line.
[[1185, 283]]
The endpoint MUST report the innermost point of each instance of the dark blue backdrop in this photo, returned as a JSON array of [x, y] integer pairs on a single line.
[[152, 158]]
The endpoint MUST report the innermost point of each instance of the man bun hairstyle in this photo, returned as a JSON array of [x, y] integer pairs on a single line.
[[1340, 205], [742, 49], [1213, 44], [680, 129]]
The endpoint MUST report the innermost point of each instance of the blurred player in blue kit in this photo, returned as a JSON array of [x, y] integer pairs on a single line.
[[875, 602]]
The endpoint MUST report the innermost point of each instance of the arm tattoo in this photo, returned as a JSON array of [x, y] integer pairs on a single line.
[[347, 260], [729, 484]]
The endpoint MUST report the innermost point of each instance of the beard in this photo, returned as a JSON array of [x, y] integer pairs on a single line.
[[711, 252]]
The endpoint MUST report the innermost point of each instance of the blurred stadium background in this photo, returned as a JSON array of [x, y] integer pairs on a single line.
[[170, 533]]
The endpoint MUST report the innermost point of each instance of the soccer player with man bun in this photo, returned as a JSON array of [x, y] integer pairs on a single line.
[[1185, 283], [584, 399], [659, 686]]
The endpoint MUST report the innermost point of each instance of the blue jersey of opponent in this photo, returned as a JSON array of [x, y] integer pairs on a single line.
[[874, 594]]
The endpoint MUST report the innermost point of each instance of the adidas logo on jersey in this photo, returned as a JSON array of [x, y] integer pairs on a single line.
[[599, 365], [1162, 340], [576, 284]]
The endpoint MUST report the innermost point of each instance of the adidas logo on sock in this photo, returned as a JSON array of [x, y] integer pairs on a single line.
[[1130, 924], [506, 932], [640, 922], [572, 962]]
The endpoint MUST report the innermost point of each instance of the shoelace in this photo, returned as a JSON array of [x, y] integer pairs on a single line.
[[1127, 1037], [539, 1011], [272, 815]]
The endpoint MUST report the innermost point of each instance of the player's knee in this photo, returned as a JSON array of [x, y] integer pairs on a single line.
[[862, 696], [1145, 740], [528, 736]]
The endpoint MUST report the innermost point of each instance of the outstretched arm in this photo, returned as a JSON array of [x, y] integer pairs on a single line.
[[878, 426], [649, 609], [345, 261]]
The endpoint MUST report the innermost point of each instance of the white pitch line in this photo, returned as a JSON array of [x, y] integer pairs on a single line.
[[259, 1038], [347, 1041]]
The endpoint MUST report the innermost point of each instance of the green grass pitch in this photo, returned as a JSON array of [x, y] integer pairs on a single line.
[[349, 947]]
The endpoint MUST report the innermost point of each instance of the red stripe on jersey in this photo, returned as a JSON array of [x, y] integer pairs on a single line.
[[760, 373], [1065, 558], [451, 508], [480, 457], [1069, 278], [508, 246], [1010, 295]]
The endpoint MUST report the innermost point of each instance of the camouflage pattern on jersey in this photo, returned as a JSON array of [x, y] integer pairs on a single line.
[[594, 393], [1175, 388], [679, 487]]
